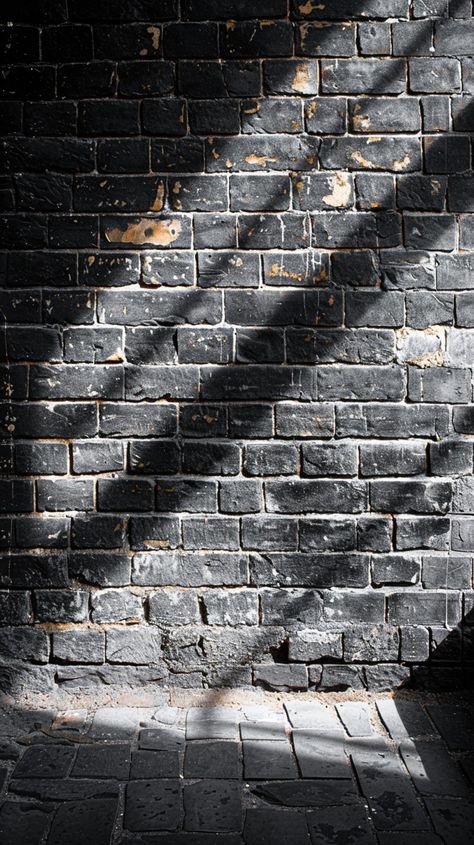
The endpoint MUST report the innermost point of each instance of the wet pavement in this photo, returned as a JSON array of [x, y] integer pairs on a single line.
[[289, 770]]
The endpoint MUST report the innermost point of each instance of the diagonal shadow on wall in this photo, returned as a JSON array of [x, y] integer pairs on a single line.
[[362, 254]]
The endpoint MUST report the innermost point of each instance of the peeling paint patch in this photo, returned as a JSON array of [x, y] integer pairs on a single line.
[[155, 33], [340, 193], [401, 164], [156, 232], [262, 160], [158, 202], [301, 80], [423, 348], [364, 162]]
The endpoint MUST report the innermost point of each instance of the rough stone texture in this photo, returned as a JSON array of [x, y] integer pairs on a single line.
[[236, 348]]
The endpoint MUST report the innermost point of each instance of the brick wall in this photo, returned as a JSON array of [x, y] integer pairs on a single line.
[[237, 297]]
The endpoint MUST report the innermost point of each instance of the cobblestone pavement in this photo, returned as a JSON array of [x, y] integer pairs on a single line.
[[290, 771]]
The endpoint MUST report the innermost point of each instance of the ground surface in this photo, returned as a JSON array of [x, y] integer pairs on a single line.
[[275, 769]]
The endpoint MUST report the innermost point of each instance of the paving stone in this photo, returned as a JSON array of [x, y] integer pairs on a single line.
[[455, 724], [166, 715], [453, 820], [212, 730], [45, 761], [71, 720], [404, 719], [261, 713], [432, 770], [314, 793], [268, 827], [321, 755], [77, 822], [268, 759], [467, 765], [312, 714], [152, 805], [154, 764], [333, 827], [115, 723], [409, 839], [213, 805], [63, 790], [214, 759], [355, 716], [262, 730], [182, 839], [22, 823], [389, 793], [102, 761], [212, 723], [9, 750], [161, 739]]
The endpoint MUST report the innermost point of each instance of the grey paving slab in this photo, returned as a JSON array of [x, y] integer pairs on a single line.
[[154, 764], [71, 720], [390, 795], [219, 713], [213, 806], [309, 793], [9, 750], [355, 716], [331, 827], [455, 724], [182, 838], [63, 790], [263, 713], [268, 760], [312, 714], [102, 761], [77, 822], [432, 770], [452, 819], [409, 839], [268, 827], [404, 719], [115, 723], [161, 739], [216, 759], [166, 715], [262, 730], [208, 729], [45, 761], [23, 823], [321, 755], [467, 765], [152, 805]]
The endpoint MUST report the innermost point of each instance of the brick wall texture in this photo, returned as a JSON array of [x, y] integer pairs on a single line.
[[236, 343]]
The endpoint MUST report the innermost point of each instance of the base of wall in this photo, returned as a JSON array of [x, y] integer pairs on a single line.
[[85, 685]]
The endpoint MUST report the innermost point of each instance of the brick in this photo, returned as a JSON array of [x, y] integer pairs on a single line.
[[434, 76], [415, 496], [118, 155], [362, 76], [261, 152], [318, 496], [83, 80], [123, 41], [290, 76], [383, 153], [326, 39], [214, 117], [275, 39], [384, 115]]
